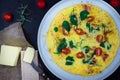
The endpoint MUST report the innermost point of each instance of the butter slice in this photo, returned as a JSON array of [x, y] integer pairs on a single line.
[[9, 55], [28, 55]]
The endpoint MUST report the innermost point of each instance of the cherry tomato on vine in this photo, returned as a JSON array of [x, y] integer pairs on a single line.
[[115, 3], [41, 4], [7, 17]]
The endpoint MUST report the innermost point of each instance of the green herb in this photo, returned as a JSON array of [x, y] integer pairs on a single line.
[[105, 45], [104, 28], [62, 45], [71, 44], [56, 29], [73, 20], [66, 25], [88, 60], [56, 53], [69, 60], [86, 49], [97, 28], [23, 13], [91, 29], [84, 14]]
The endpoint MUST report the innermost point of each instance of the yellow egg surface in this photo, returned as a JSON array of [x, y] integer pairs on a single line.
[[83, 39]]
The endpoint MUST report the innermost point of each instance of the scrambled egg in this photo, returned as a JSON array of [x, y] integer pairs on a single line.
[[83, 39]]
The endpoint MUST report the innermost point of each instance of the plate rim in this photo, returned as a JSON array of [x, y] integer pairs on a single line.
[[38, 36]]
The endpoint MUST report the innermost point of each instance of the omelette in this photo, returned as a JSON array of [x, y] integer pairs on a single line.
[[83, 39]]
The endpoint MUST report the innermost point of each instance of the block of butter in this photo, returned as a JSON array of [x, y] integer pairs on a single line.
[[9, 55], [28, 55]]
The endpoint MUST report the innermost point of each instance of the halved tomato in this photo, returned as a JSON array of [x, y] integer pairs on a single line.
[[98, 51], [79, 31], [66, 50], [100, 38], [65, 32], [105, 56], [80, 55]]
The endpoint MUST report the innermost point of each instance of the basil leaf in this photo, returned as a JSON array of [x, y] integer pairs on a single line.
[[86, 49], [66, 25], [73, 20], [56, 29], [68, 63], [102, 44], [106, 45], [69, 60], [84, 14], [71, 44], [63, 44]]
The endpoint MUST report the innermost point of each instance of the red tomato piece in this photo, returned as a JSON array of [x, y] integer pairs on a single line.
[[7, 17], [115, 3], [98, 51], [86, 7], [107, 32], [100, 38], [66, 50], [80, 55], [90, 18], [79, 31], [105, 56], [65, 32], [41, 4]]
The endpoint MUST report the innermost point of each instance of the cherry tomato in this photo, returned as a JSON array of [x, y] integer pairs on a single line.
[[80, 55], [7, 17], [86, 7], [79, 31], [41, 4], [100, 38], [105, 56], [65, 32], [66, 50], [115, 3], [90, 18], [98, 51]]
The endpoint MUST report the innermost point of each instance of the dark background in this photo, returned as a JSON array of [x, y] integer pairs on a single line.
[[31, 28]]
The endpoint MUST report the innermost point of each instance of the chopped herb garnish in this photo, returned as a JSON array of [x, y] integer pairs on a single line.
[[88, 60], [104, 28], [71, 44], [56, 53], [62, 45], [66, 25], [84, 14], [79, 43], [69, 60], [85, 49], [105, 45], [91, 29], [56, 29]]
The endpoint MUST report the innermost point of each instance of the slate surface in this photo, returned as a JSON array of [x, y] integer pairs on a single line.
[[31, 28]]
